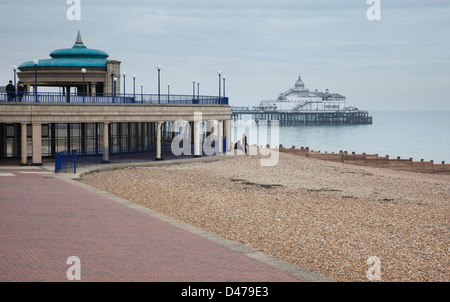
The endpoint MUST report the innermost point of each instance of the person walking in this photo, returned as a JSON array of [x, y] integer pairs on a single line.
[[20, 91], [10, 91]]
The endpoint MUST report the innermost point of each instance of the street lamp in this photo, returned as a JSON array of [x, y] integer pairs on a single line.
[[159, 83], [193, 89], [35, 62], [142, 93], [134, 86], [220, 80], [15, 69], [224, 78], [168, 93], [124, 74], [83, 71], [115, 82], [198, 90]]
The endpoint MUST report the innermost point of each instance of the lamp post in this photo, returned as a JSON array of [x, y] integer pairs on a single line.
[[142, 93], [168, 93], [115, 82], [193, 89], [134, 86], [124, 75], [35, 62], [220, 80], [198, 90], [159, 82], [224, 78], [15, 70], [83, 71]]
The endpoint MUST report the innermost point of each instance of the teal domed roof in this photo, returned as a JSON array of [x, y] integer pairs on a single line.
[[79, 56]]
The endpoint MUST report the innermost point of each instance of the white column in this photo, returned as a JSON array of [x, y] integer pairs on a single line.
[[93, 91], [219, 137], [105, 142], [209, 131], [197, 144], [23, 144], [158, 141], [37, 144], [227, 131]]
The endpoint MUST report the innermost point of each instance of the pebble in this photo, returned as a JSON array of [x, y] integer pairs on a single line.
[[325, 217]]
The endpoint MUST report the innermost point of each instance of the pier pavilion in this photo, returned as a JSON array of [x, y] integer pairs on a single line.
[[64, 70], [97, 118]]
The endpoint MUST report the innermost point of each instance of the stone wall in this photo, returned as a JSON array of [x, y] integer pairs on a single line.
[[113, 113]]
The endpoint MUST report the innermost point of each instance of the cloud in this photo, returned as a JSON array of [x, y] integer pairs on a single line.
[[262, 45]]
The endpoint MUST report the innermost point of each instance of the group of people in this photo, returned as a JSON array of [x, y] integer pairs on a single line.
[[12, 93]]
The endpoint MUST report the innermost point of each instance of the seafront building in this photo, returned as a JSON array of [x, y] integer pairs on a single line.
[[92, 114]]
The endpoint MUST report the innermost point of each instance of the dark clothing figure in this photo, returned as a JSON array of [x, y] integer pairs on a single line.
[[20, 91], [11, 91]]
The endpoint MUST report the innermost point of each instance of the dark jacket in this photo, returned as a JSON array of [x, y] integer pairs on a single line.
[[10, 88], [21, 89]]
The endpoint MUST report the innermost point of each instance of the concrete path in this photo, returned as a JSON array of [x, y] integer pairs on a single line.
[[46, 218]]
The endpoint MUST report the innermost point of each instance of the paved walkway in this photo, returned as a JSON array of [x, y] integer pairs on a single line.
[[46, 218]]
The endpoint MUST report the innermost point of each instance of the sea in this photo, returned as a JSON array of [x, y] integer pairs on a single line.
[[405, 134]]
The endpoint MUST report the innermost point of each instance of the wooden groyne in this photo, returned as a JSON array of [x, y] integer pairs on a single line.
[[372, 160]]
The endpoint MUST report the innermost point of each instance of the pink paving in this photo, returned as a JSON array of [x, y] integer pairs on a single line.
[[45, 220]]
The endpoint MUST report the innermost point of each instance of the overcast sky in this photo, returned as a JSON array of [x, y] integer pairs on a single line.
[[401, 61]]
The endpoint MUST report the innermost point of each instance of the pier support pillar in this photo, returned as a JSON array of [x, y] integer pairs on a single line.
[[37, 144], [23, 145], [209, 131], [197, 139], [158, 141], [219, 137], [105, 143]]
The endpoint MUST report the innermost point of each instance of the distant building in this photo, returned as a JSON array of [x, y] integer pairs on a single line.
[[300, 98]]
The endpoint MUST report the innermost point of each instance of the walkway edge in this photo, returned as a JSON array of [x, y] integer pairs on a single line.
[[231, 245]]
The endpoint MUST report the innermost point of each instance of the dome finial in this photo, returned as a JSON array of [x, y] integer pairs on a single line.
[[79, 41]]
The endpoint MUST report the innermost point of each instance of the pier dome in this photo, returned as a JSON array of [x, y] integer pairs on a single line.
[[79, 56], [64, 70], [299, 85]]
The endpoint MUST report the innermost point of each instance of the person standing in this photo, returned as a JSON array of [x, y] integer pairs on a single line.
[[20, 91], [10, 91]]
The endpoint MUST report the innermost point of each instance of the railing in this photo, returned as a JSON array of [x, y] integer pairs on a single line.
[[68, 161], [55, 97]]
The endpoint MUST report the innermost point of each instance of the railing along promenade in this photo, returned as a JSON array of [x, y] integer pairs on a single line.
[[55, 97]]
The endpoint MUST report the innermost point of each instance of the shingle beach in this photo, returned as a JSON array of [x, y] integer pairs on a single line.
[[325, 217]]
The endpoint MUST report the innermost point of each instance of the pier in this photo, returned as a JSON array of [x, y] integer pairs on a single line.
[[307, 117]]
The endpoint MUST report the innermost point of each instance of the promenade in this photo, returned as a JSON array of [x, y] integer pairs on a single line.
[[46, 218]]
